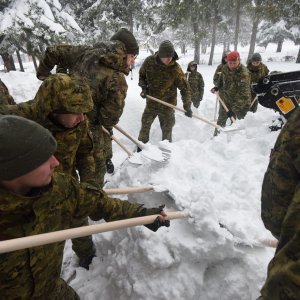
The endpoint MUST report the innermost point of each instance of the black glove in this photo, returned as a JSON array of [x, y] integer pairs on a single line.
[[157, 223], [214, 89], [143, 94], [230, 114], [189, 113]]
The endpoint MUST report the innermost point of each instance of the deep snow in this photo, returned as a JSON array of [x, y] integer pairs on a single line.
[[218, 180]]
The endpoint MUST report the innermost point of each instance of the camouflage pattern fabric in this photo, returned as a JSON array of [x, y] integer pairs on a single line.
[[256, 73], [162, 81], [280, 212], [235, 89], [196, 83], [103, 66], [5, 97], [64, 93], [35, 273]]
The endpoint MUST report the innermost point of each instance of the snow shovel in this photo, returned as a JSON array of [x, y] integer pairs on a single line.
[[62, 235], [128, 190], [153, 153], [193, 116], [129, 153], [229, 113]]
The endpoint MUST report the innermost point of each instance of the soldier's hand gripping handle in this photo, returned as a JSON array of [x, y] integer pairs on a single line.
[[159, 221]]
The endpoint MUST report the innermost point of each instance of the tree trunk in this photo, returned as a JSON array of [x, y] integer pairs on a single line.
[[203, 47], [213, 40], [182, 46], [34, 62], [8, 62], [253, 34], [20, 61], [237, 24], [279, 45], [196, 43], [298, 57]]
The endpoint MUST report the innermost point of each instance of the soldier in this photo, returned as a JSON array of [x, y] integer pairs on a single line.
[[257, 70], [217, 76], [104, 66], [60, 106], [35, 200], [280, 210], [196, 83], [235, 88], [5, 97], [160, 76]]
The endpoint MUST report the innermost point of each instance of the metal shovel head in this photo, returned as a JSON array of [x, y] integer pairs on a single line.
[[152, 152]]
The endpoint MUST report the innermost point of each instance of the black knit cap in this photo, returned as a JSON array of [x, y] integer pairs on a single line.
[[24, 146], [126, 37], [256, 57], [166, 49]]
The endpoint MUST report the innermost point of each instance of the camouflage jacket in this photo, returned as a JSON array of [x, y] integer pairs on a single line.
[[196, 83], [257, 72], [5, 97], [35, 273], [103, 66], [74, 145], [281, 213], [217, 76], [235, 86], [161, 81], [282, 177]]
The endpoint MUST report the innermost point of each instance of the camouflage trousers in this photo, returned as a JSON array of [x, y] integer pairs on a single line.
[[196, 100], [222, 118], [83, 247], [166, 119], [102, 151], [63, 291]]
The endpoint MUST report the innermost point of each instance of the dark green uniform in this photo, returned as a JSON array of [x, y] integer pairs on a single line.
[[196, 83], [256, 73], [280, 210], [62, 93], [162, 81], [5, 97], [35, 273], [235, 88], [104, 67]]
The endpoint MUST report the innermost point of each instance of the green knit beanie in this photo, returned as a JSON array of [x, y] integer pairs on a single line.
[[127, 38], [256, 57], [166, 49], [24, 146]]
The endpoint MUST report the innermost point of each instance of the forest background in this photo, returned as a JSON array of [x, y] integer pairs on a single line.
[[27, 27]]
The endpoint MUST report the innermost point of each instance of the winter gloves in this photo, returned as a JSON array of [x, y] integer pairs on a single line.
[[157, 223], [214, 89], [189, 113]]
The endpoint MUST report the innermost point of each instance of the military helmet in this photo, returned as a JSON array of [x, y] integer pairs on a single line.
[[63, 93]]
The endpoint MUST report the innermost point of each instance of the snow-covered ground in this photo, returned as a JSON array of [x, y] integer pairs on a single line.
[[217, 180]]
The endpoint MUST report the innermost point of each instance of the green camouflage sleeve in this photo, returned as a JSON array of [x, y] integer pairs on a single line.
[[63, 55], [142, 76], [282, 176], [201, 86], [23, 109], [184, 87], [85, 163], [112, 108], [5, 97], [217, 76]]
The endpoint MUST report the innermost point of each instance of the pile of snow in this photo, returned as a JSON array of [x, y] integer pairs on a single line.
[[214, 254]]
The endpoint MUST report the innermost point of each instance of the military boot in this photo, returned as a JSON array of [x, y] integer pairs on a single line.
[[85, 261], [109, 166]]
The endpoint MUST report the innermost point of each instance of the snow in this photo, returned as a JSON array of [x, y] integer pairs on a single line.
[[214, 254]]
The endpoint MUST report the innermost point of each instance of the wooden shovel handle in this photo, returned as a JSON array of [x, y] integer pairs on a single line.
[[117, 141], [140, 145], [225, 107], [182, 110], [128, 190], [58, 236]]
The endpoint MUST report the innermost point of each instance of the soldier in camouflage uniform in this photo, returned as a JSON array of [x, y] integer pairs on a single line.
[[234, 85], [60, 105], [257, 70], [280, 211], [104, 67], [196, 83], [5, 97], [35, 200], [160, 76]]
